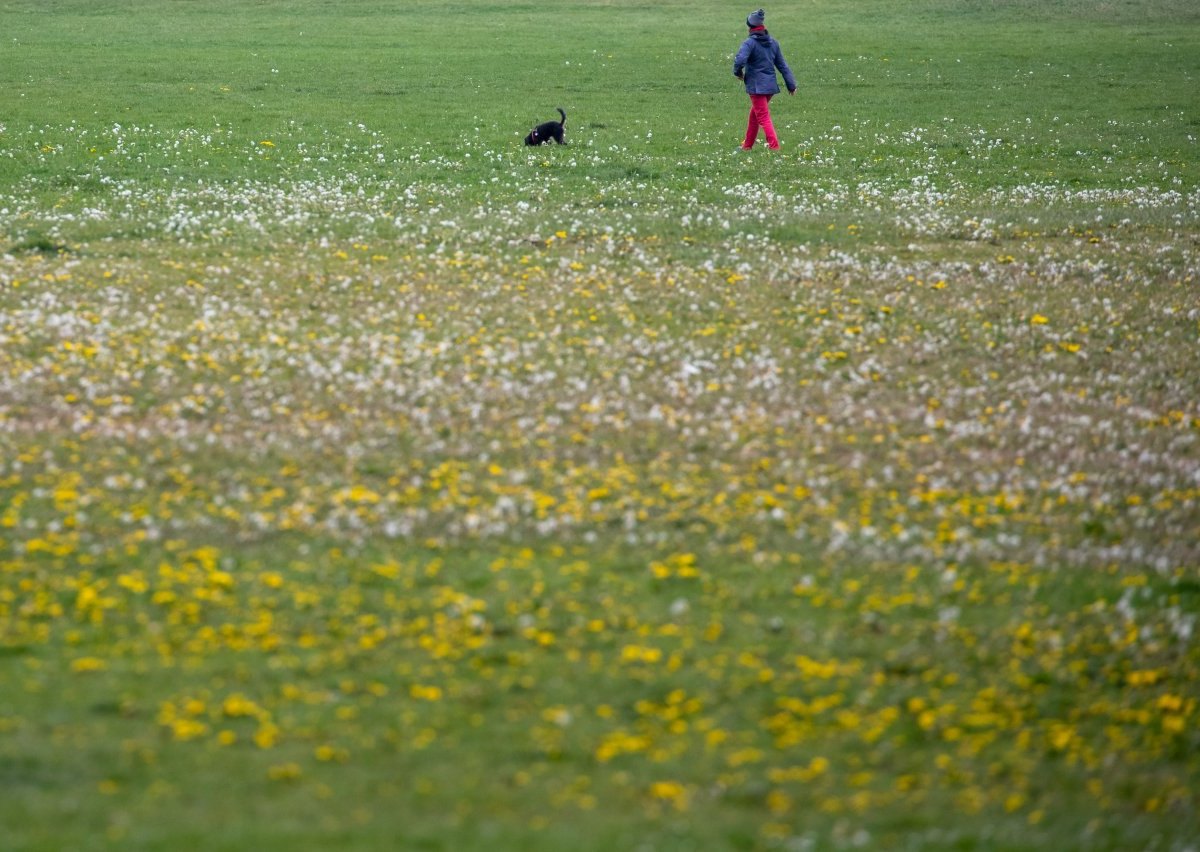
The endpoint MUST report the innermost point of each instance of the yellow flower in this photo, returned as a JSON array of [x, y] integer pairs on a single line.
[[187, 729], [744, 756], [425, 693], [779, 802], [237, 705], [284, 772], [327, 753], [266, 736], [1170, 702], [670, 791]]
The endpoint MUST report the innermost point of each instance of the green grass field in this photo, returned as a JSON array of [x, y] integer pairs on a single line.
[[371, 481]]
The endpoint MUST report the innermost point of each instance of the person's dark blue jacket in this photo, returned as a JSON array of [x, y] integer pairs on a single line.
[[756, 62]]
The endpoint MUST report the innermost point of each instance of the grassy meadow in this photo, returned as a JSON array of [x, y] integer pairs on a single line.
[[371, 481]]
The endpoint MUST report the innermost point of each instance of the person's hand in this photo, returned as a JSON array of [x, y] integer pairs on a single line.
[[791, 91]]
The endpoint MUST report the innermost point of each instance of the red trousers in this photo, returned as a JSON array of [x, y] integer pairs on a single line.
[[760, 116]]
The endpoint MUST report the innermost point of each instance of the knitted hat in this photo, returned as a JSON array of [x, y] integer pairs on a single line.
[[756, 18]]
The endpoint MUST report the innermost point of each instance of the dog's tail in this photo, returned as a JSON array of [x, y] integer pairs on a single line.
[[563, 114]]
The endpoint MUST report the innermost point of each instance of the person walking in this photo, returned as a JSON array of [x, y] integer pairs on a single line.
[[755, 64]]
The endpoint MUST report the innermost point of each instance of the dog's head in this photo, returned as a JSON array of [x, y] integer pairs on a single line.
[[532, 138]]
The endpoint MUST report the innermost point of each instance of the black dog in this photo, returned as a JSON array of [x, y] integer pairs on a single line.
[[548, 130]]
